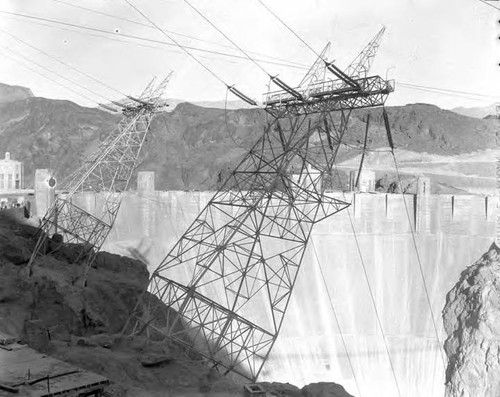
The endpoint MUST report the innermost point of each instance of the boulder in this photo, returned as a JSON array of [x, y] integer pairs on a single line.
[[16, 251], [156, 360], [280, 389], [471, 319], [103, 340], [324, 389]]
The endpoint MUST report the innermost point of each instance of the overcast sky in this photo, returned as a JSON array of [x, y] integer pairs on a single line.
[[448, 44]]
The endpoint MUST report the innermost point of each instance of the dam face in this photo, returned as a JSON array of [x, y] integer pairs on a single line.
[[331, 331]]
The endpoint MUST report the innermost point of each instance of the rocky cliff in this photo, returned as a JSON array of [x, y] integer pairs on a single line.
[[472, 322]]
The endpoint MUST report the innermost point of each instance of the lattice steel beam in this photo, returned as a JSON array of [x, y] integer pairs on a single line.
[[228, 280], [108, 170]]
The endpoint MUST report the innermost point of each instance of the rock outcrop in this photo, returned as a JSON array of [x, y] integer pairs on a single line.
[[50, 300], [320, 389], [54, 315], [12, 93], [472, 322]]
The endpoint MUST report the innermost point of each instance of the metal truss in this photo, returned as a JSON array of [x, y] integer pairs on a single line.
[[330, 96], [228, 280], [108, 170]]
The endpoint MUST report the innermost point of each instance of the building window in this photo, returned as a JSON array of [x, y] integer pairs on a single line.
[[9, 181], [2, 184]]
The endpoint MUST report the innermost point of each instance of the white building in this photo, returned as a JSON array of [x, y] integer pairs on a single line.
[[11, 174]]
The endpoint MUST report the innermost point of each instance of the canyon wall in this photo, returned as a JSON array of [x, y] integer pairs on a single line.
[[450, 233]]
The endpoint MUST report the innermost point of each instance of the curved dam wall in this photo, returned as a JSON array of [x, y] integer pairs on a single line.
[[321, 338]]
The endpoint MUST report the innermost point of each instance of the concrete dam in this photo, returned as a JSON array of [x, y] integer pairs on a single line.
[[331, 306]]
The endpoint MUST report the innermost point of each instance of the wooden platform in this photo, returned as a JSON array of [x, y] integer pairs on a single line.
[[26, 372]]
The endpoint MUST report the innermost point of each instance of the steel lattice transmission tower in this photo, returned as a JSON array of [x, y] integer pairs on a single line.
[[108, 170], [230, 276]]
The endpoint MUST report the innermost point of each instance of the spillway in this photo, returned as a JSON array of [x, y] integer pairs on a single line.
[[331, 331]]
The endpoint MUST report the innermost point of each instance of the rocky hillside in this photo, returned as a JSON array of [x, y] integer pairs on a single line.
[[478, 112], [472, 322], [190, 146], [51, 313], [12, 93]]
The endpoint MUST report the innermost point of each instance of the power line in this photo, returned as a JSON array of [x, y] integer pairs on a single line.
[[329, 65], [445, 93], [446, 90], [414, 240], [57, 74], [491, 5], [177, 43], [289, 28], [295, 65], [100, 36], [33, 19], [170, 31], [231, 88], [344, 343], [226, 37], [134, 37], [44, 76], [426, 291], [62, 62], [370, 291]]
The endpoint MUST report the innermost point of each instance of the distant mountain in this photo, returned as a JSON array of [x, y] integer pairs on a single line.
[[47, 133], [477, 112], [12, 93], [222, 104], [193, 147]]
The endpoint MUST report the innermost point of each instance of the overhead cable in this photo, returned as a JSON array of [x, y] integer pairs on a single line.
[[56, 73], [46, 77], [289, 28], [489, 4], [169, 31], [370, 291], [62, 62], [231, 88], [329, 65], [226, 37], [447, 90], [342, 338], [145, 39], [177, 43]]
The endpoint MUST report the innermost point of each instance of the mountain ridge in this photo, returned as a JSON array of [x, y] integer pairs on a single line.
[[193, 147]]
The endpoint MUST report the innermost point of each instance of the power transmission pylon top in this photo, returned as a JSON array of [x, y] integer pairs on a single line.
[[330, 94], [108, 170], [230, 276]]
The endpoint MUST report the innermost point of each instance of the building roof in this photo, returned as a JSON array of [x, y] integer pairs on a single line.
[[63, 378]]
